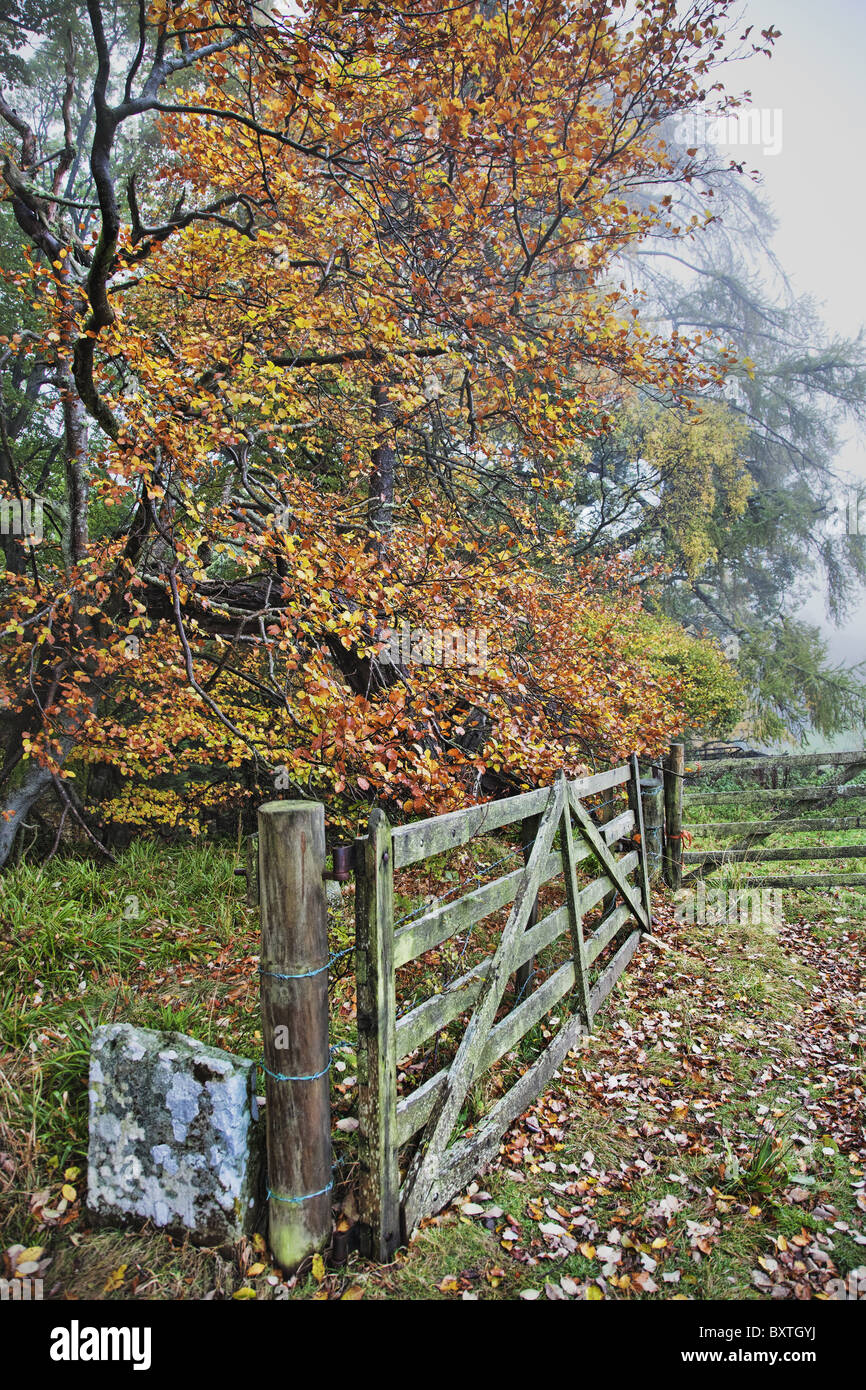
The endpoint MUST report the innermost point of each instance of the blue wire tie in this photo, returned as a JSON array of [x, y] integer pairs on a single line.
[[307, 974], [302, 975], [278, 1076], [306, 1197]]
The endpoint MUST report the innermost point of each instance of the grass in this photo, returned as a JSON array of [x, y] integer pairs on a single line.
[[722, 1106]]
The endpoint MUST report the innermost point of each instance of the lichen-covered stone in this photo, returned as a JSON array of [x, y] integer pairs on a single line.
[[175, 1137]]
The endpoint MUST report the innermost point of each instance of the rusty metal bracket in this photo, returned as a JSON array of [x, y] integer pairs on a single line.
[[344, 864]]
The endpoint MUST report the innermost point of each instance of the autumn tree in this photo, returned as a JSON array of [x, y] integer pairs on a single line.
[[318, 361]]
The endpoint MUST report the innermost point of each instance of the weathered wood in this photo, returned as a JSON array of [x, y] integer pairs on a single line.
[[806, 881], [607, 861], [251, 860], [612, 971], [433, 1108], [783, 817], [422, 1173], [294, 1006], [780, 762], [523, 974], [379, 1187], [599, 782], [606, 930], [674, 767], [749, 794], [462, 1161], [445, 921], [575, 916], [779, 855], [602, 887], [423, 839], [652, 810], [636, 805], [416, 1110], [435, 1013], [772, 827]]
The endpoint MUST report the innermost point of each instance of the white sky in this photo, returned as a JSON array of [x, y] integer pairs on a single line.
[[816, 185]]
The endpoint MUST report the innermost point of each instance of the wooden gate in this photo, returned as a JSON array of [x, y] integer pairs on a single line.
[[421, 1127], [796, 804]]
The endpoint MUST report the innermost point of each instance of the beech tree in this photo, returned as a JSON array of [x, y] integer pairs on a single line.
[[317, 361]]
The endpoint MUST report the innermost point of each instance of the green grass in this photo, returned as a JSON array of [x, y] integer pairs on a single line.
[[164, 939]]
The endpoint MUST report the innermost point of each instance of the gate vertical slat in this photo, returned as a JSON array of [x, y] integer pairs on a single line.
[[674, 772], [528, 832], [637, 807], [575, 916], [377, 1042]]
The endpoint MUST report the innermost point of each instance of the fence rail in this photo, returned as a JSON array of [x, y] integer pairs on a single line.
[[794, 800]]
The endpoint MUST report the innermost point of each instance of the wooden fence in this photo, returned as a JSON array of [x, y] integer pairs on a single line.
[[414, 1155], [683, 791], [416, 1151]]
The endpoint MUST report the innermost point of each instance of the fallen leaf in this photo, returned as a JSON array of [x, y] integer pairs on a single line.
[[115, 1279]]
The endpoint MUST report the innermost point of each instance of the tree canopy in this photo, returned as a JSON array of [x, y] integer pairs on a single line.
[[306, 348]]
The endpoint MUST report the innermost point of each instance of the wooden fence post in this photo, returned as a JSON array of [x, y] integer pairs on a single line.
[[674, 770], [652, 806], [379, 1193], [294, 994]]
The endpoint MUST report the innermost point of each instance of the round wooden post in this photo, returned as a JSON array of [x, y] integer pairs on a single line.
[[653, 823], [674, 770], [294, 996]]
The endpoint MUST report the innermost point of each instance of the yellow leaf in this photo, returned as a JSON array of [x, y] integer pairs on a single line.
[[594, 1293], [353, 1293], [115, 1280], [318, 1268], [254, 1270], [68, 1191], [244, 1293]]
